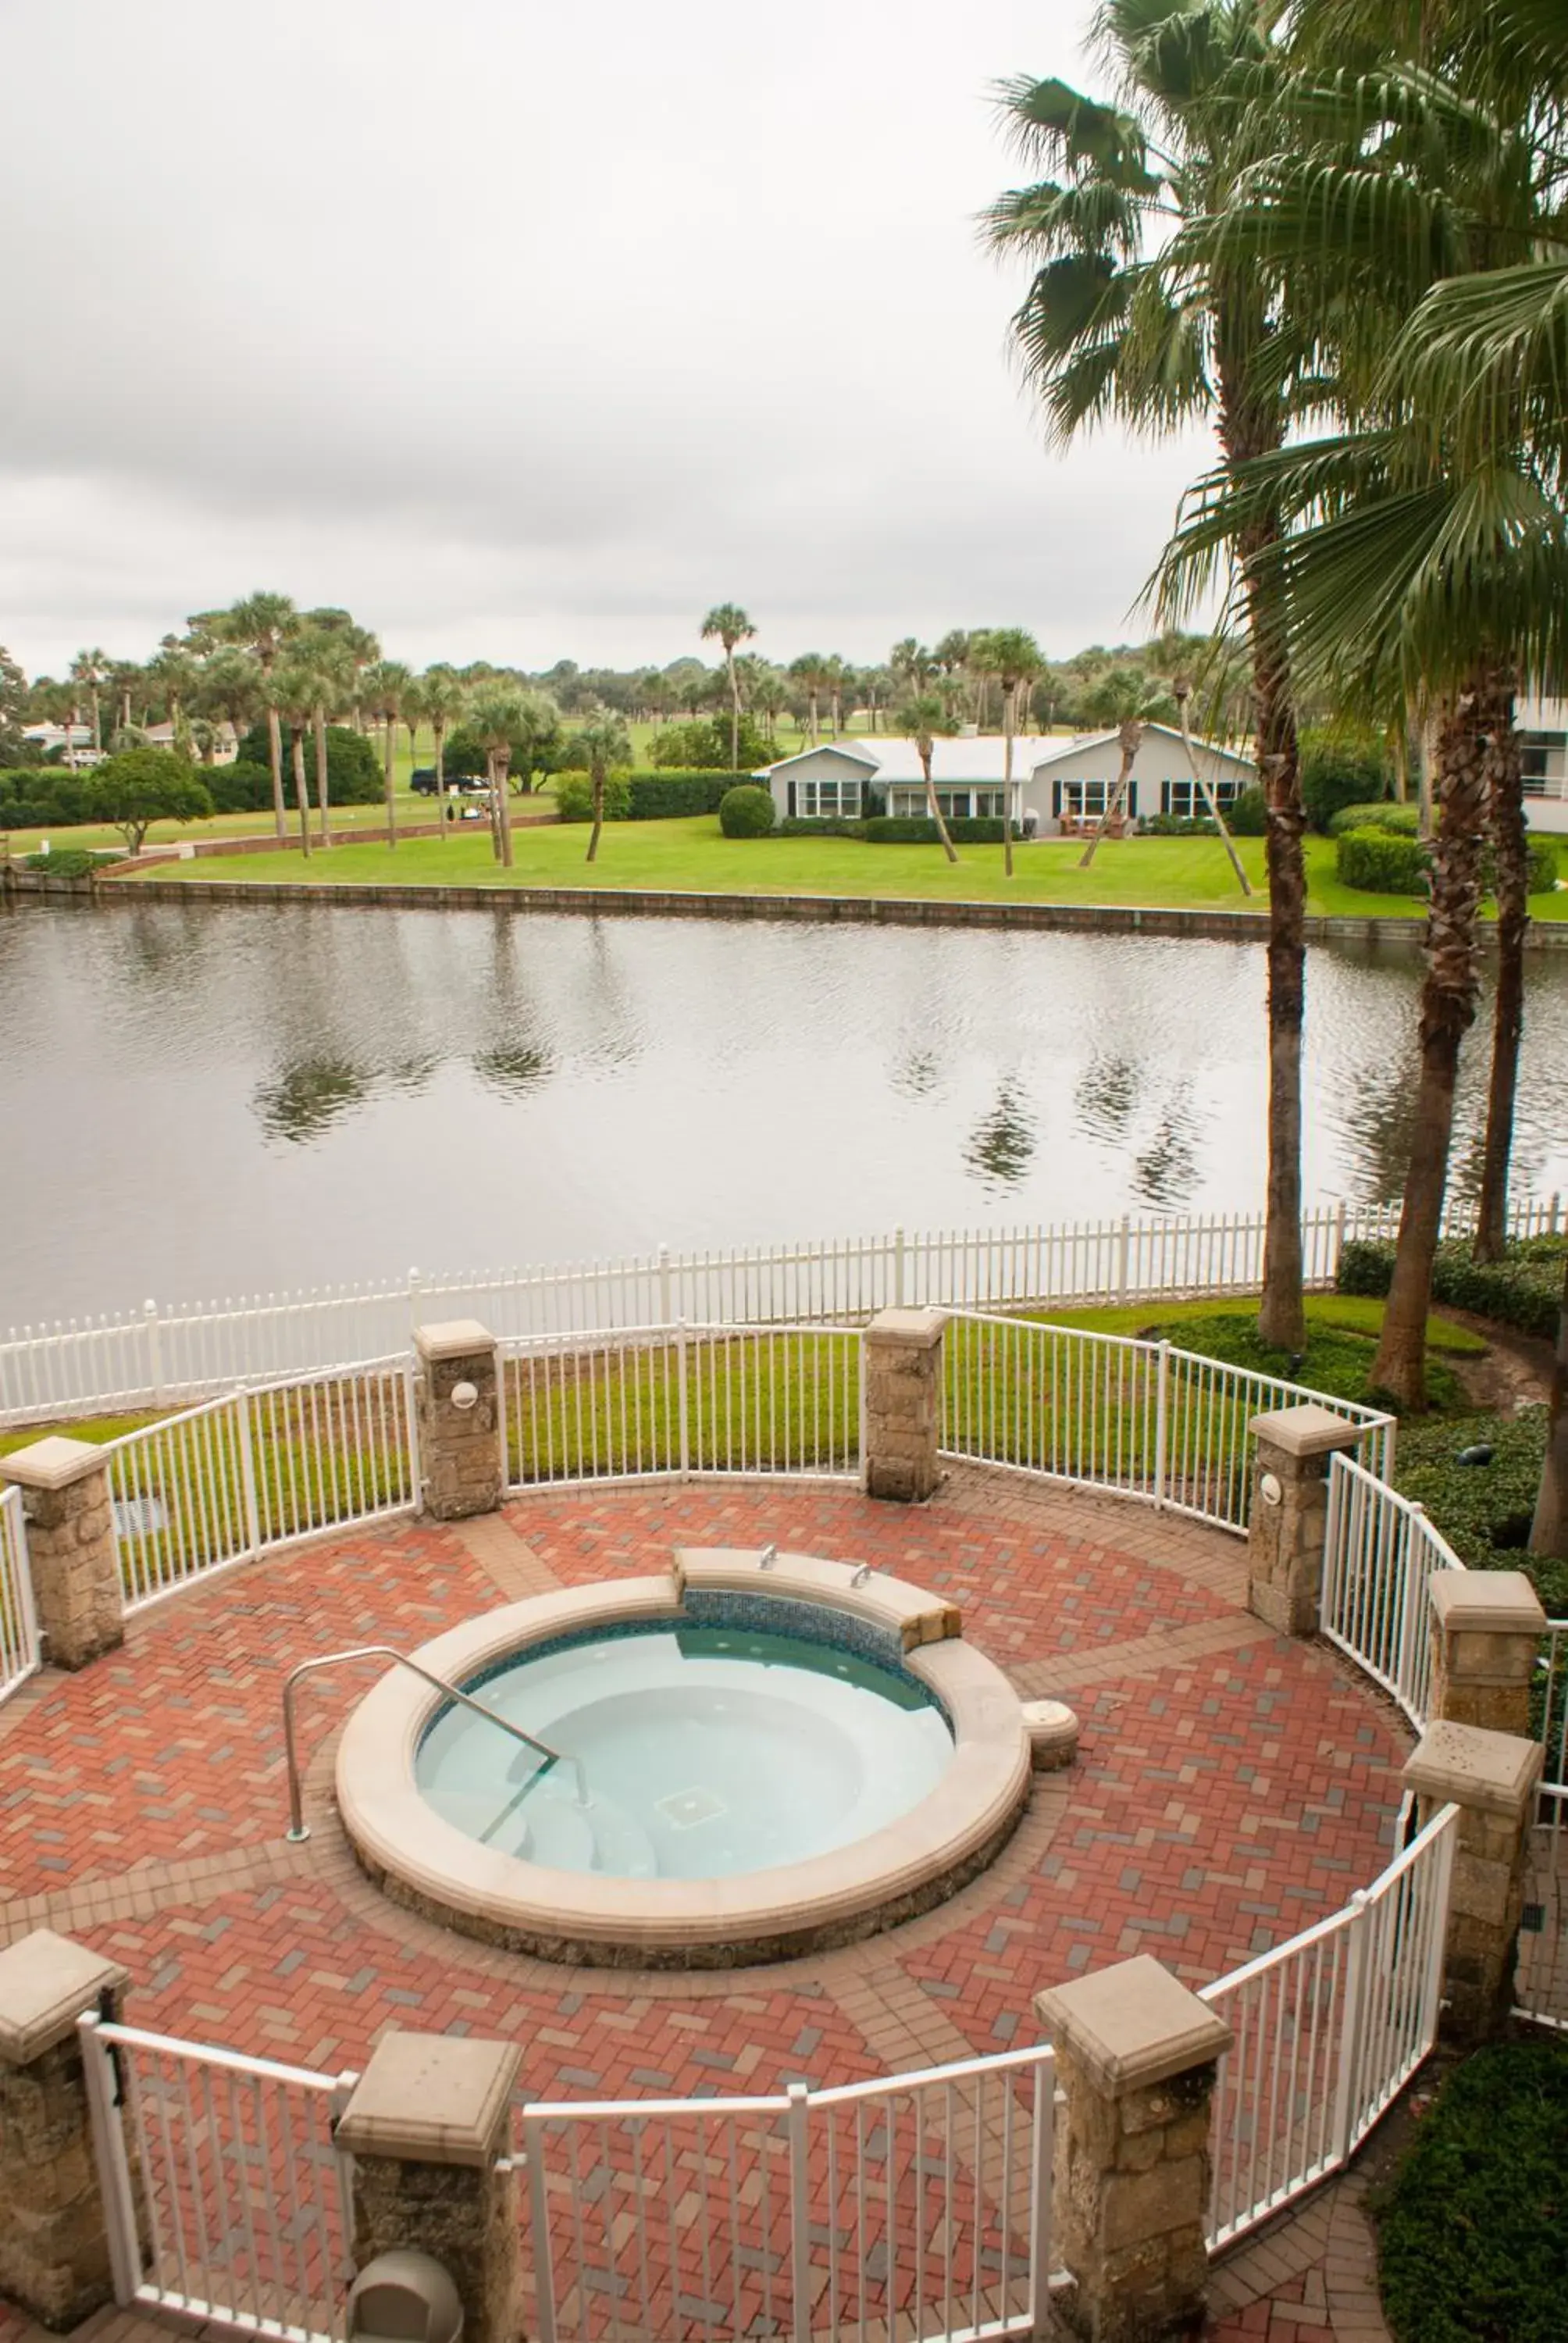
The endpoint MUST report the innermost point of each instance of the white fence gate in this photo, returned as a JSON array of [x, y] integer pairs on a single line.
[[19, 1646]]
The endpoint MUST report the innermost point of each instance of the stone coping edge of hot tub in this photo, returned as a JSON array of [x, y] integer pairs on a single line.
[[425, 1863]]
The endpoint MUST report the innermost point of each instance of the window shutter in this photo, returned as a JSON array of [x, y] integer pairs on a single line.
[[1164, 797], [1056, 800], [1132, 800], [789, 788]]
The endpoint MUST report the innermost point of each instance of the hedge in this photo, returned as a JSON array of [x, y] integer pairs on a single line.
[[1523, 1290], [1382, 862], [574, 797], [919, 830], [43, 796], [1387, 815], [647, 796], [353, 772]]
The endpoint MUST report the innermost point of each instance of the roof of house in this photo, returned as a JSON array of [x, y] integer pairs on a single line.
[[977, 757]]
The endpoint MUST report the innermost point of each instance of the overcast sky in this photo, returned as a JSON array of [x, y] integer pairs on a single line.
[[528, 330]]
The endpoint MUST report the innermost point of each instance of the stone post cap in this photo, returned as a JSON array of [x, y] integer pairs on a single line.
[[432, 2098], [52, 1464], [1485, 1601], [1132, 2024], [1308, 1430], [46, 1983], [911, 1330], [455, 1338], [1470, 1766]]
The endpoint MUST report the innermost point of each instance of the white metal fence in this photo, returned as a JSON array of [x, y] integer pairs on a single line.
[[1144, 1419], [226, 2196], [1329, 2028], [683, 1401], [917, 2204], [19, 1652], [259, 1468], [1380, 1554], [161, 1355]]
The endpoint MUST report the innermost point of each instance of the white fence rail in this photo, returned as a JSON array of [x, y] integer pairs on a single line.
[[225, 1481], [226, 2197], [19, 1649], [682, 1401], [1329, 2028], [1380, 1554], [918, 2205], [1142, 1419], [161, 1355]]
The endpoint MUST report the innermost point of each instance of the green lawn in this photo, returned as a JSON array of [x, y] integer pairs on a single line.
[[693, 857]]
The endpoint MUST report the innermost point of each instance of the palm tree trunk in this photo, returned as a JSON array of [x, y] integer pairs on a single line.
[[815, 735], [934, 804], [734, 707], [321, 779], [274, 750], [1009, 710], [301, 797], [388, 754], [1548, 1530], [1129, 752], [441, 773], [1510, 856], [97, 723], [598, 812], [1447, 1012], [503, 806]]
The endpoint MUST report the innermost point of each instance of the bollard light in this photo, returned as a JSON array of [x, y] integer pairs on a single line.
[[465, 1396]]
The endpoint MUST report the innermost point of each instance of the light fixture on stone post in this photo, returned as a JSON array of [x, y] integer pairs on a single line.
[[429, 2128], [1289, 1518], [55, 2253], [1136, 2060], [1491, 1778], [457, 1403], [71, 1553], [902, 1367]]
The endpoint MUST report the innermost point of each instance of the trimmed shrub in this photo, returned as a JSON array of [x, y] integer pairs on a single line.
[[574, 796], [918, 830], [1381, 862], [43, 796], [245, 788], [1178, 825], [820, 825], [1387, 814], [669, 796], [1484, 1510], [746, 812], [353, 775], [1523, 1290], [1248, 814], [1341, 767], [1544, 866], [65, 862]]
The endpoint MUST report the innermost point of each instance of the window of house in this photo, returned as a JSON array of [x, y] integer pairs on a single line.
[[827, 800], [1542, 761], [1084, 801], [1185, 799], [988, 803]]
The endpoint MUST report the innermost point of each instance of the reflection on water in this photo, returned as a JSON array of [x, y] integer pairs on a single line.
[[200, 1100]]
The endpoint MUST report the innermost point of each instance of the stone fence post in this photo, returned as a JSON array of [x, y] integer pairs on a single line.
[[1136, 2055], [1486, 1631], [429, 2127], [1289, 1518], [903, 1381], [71, 1555], [54, 2233], [1491, 1778], [458, 1405]]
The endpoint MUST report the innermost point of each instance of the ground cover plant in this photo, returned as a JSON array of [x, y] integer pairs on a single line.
[[1524, 1289], [1473, 2247]]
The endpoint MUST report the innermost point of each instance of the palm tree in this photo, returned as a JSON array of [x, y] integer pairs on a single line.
[[384, 686], [920, 720], [1013, 656], [298, 687], [810, 672], [263, 624], [1549, 1528], [442, 701], [1117, 322], [173, 673], [228, 683], [769, 697], [1127, 701], [729, 623], [911, 664], [603, 741], [90, 672], [496, 715]]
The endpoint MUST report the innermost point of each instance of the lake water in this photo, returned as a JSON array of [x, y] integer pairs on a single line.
[[200, 1100]]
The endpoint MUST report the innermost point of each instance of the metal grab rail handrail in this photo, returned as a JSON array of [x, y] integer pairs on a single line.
[[298, 1828]]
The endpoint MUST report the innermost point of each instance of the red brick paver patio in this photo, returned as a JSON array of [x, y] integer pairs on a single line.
[[1231, 1787]]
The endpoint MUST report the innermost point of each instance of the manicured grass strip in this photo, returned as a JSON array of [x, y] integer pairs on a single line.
[[1473, 2238]]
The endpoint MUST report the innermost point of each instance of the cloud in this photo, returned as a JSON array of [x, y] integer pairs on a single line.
[[527, 331]]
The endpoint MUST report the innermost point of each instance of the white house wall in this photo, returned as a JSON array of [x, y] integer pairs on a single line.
[[1161, 757], [824, 764]]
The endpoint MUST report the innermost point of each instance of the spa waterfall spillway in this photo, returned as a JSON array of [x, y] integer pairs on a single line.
[[755, 1756]]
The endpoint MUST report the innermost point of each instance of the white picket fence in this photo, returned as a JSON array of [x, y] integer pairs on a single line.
[[161, 1355], [1380, 1554], [19, 1648]]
